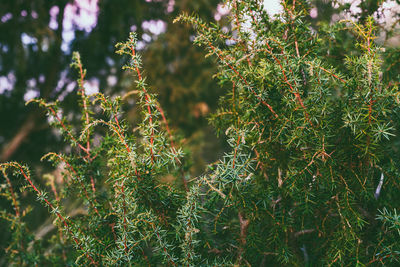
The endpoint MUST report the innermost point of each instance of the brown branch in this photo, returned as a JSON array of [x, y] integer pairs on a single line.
[[234, 156], [81, 82], [11, 147], [244, 225], [63, 220], [51, 74], [242, 78], [296, 94], [66, 129], [147, 98], [302, 232], [79, 180], [14, 198], [329, 72]]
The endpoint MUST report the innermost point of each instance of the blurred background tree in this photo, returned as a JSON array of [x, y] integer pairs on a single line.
[[38, 37]]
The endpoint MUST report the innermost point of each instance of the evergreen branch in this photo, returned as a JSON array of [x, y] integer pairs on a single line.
[[50, 107], [76, 62], [243, 79], [41, 196], [53, 155], [296, 93], [13, 196]]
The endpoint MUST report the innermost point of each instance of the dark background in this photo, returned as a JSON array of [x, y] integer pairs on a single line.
[[35, 58]]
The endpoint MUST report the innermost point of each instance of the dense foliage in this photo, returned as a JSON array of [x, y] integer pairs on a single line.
[[35, 53], [311, 177], [36, 43]]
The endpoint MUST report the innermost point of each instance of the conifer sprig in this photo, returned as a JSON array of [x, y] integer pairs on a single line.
[[310, 177]]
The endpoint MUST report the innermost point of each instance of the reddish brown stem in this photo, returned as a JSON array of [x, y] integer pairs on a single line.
[[124, 214], [53, 188], [327, 71], [27, 178], [85, 108], [370, 110], [118, 131], [172, 144], [165, 250], [296, 94], [147, 98], [234, 156], [243, 79], [244, 225], [166, 126], [112, 225], [81, 183], [241, 42], [14, 199], [92, 182], [253, 17], [66, 130]]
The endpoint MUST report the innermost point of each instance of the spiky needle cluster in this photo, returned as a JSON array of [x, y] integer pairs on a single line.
[[312, 150]]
